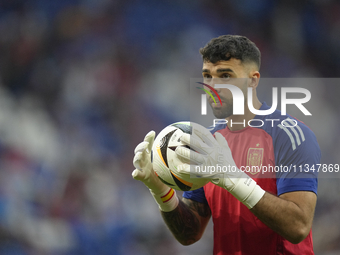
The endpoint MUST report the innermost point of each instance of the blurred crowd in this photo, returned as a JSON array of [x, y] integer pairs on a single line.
[[82, 82]]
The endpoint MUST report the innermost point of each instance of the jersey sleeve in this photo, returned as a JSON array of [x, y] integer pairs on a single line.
[[297, 148], [197, 195]]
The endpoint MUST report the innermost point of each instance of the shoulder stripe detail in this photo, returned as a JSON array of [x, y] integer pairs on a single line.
[[296, 135], [289, 129], [298, 128], [289, 134]]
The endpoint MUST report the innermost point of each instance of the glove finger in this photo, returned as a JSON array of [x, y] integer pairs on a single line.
[[136, 160], [221, 140], [150, 137], [195, 143], [141, 147], [192, 156], [184, 168], [179, 169], [192, 170], [206, 136], [138, 175]]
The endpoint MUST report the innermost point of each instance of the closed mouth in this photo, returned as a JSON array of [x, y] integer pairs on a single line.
[[211, 101]]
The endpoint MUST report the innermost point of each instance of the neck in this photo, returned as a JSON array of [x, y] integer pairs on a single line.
[[239, 122]]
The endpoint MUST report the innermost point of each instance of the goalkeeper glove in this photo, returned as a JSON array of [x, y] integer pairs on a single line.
[[216, 152], [164, 196]]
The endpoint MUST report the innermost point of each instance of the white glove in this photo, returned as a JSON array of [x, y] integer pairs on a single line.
[[165, 196], [215, 155]]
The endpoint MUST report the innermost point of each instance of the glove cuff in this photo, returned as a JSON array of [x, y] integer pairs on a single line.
[[247, 191], [167, 200], [254, 197]]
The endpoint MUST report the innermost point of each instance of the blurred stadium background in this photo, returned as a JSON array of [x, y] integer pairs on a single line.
[[82, 82]]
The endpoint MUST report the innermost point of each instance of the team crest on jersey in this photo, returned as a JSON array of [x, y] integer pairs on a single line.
[[254, 159]]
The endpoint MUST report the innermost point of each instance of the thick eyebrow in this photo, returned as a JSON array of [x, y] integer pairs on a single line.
[[219, 70], [224, 70]]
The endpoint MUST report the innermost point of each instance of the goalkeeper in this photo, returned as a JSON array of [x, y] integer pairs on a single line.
[[251, 215]]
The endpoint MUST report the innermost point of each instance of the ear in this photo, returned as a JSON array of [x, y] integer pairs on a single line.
[[255, 78]]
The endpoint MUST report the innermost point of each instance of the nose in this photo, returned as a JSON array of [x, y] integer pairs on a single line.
[[213, 83], [210, 86]]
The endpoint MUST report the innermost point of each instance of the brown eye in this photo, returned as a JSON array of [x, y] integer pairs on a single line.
[[225, 75], [207, 76]]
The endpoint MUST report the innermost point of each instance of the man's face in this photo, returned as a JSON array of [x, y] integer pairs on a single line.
[[225, 72]]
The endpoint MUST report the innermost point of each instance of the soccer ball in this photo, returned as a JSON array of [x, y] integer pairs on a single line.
[[165, 160]]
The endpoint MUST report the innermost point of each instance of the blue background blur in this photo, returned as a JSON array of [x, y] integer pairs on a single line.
[[82, 82]]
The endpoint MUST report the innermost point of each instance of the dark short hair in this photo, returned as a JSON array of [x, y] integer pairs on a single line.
[[226, 47]]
